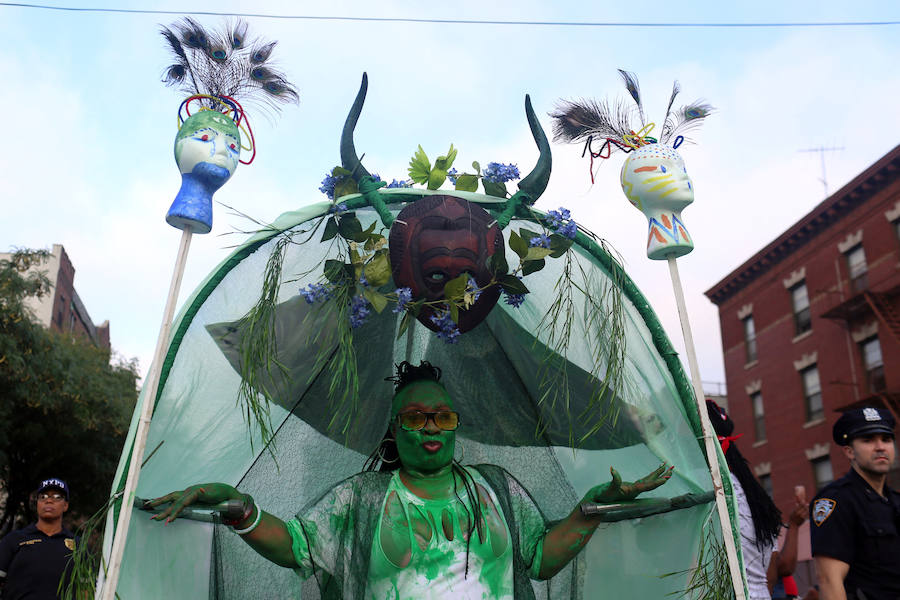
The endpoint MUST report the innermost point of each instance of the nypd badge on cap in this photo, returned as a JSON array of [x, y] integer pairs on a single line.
[[56, 483], [862, 421]]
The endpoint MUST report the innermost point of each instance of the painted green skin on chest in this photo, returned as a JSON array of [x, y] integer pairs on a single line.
[[432, 538]]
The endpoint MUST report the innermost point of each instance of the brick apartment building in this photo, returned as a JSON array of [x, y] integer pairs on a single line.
[[811, 326], [62, 309]]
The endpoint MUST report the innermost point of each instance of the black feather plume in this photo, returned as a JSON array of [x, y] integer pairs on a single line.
[[223, 64]]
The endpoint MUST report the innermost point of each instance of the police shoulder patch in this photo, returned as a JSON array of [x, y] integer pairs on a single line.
[[822, 509]]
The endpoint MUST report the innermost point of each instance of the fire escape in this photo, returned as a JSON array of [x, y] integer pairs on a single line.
[[859, 307]]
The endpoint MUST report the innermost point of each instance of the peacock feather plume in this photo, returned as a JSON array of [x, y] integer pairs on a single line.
[[224, 63], [631, 84], [577, 120], [687, 118]]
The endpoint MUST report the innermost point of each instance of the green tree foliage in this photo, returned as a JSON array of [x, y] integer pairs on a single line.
[[64, 405]]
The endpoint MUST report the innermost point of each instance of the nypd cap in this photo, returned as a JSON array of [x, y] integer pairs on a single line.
[[52, 483], [862, 421]]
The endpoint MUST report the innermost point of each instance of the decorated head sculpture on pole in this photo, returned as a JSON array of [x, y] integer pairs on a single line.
[[656, 182], [654, 177], [216, 68]]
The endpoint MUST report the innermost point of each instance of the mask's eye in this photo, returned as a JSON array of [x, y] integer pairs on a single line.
[[204, 135]]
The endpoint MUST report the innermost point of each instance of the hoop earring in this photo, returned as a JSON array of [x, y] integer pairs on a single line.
[[462, 452], [380, 452]]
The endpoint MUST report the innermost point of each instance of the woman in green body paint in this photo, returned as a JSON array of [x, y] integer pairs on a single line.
[[423, 526]]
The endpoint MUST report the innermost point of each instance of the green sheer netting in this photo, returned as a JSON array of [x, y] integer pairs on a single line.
[[495, 375]]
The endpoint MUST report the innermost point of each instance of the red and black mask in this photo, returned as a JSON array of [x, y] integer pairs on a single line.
[[437, 239]]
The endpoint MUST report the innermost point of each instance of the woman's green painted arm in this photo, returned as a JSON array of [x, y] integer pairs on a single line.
[[270, 538], [566, 539]]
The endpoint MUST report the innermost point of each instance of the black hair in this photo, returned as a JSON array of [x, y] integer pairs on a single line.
[[408, 373], [386, 457], [766, 516]]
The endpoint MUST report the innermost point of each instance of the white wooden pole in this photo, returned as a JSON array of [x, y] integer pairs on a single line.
[[734, 566], [151, 384]]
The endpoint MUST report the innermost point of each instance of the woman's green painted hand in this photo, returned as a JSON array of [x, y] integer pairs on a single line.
[[203, 493], [618, 490]]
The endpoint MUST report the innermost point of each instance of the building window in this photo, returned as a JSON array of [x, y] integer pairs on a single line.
[[766, 482], [800, 302], [872, 362], [856, 265], [812, 392], [750, 338], [759, 416], [822, 473]]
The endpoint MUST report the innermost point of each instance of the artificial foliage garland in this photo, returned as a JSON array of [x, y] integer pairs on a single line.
[[355, 279]]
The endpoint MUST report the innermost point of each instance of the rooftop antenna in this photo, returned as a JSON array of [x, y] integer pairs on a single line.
[[822, 150]]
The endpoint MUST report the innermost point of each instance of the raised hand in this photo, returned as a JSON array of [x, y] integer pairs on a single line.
[[203, 493], [618, 490]]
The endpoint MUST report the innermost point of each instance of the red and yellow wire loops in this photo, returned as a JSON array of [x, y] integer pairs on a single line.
[[230, 107]]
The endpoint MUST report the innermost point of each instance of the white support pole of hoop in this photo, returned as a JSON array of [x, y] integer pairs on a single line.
[[143, 429], [709, 439]]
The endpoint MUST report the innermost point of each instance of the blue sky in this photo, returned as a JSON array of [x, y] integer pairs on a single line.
[[88, 130]]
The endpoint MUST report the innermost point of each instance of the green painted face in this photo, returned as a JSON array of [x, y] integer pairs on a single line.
[[209, 137], [431, 448]]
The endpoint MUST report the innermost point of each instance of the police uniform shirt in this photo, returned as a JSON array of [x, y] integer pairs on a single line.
[[852, 523], [34, 561]]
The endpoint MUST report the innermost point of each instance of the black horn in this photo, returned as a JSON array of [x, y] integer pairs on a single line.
[[536, 181], [349, 158]]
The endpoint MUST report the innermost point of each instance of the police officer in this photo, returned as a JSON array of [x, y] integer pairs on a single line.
[[856, 519], [33, 559]]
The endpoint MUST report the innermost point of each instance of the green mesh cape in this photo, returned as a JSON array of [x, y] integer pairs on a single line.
[[494, 374]]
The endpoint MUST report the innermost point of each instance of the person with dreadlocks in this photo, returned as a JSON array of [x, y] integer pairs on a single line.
[[759, 519], [415, 523]]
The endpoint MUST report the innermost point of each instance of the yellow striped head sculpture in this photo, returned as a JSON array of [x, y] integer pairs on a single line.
[[656, 182]]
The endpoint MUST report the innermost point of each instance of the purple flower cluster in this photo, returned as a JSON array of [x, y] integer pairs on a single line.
[[541, 241], [514, 300], [359, 311], [472, 288], [337, 208], [315, 292], [500, 173], [402, 183], [328, 184], [404, 297], [449, 331], [561, 222], [363, 281], [451, 175]]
